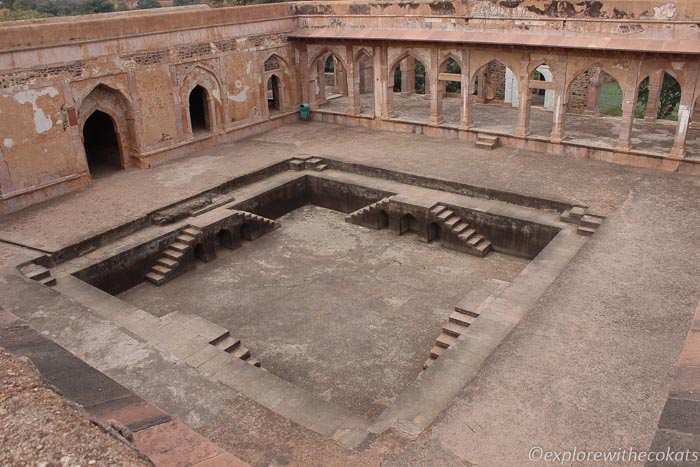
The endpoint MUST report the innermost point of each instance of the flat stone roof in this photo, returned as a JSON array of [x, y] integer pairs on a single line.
[[627, 44]]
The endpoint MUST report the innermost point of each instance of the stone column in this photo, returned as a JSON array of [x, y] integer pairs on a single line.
[[383, 84], [466, 89], [524, 100], [687, 96], [559, 108], [656, 81], [482, 85], [321, 73], [353, 82], [408, 77], [629, 102], [304, 73], [436, 117], [593, 96]]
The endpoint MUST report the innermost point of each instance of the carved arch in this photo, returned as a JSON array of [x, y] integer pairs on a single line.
[[117, 106], [201, 76]]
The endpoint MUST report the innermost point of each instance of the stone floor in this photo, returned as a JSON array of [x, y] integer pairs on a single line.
[[588, 367], [600, 131], [346, 312]]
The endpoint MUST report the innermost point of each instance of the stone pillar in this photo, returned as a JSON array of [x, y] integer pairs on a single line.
[[353, 82], [512, 91], [524, 100], [629, 102], [482, 85], [436, 117], [383, 84], [686, 104], [466, 89], [304, 67], [559, 107], [656, 82], [408, 77], [321, 81], [593, 96]]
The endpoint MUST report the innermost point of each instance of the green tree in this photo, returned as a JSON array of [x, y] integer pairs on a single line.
[[121, 6], [186, 2], [147, 4], [86, 7]]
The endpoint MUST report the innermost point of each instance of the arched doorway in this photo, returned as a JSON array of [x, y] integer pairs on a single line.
[[494, 87], [410, 90], [101, 144], [199, 115], [273, 94], [408, 224]]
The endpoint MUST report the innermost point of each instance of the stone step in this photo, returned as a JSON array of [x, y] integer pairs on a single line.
[[155, 278], [577, 212], [484, 246], [462, 319], [484, 145], [438, 209], [470, 304], [314, 160], [461, 227], [452, 221], [167, 262], [466, 235], [48, 281], [181, 247], [241, 352], [445, 340], [192, 231], [427, 363], [446, 214], [227, 343], [488, 138], [585, 231], [184, 238], [453, 329], [254, 362], [162, 270], [436, 351], [321, 167], [35, 272], [591, 221], [475, 239], [296, 164], [173, 254], [566, 217]]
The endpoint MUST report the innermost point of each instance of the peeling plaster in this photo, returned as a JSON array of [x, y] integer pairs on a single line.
[[241, 96], [42, 123], [8, 143], [247, 68]]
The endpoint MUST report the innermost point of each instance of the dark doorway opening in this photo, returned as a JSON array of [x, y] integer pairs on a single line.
[[101, 144], [198, 110], [273, 94], [408, 224]]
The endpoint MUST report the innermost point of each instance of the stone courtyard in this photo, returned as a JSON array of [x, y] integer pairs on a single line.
[[193, 271]]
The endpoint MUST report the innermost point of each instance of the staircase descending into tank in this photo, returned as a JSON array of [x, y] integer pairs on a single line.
[[463, 236], [464, 314], [38, 273], [167, 265], [368, 216]]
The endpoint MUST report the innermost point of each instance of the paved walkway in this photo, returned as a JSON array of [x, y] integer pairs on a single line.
[[590, 364]]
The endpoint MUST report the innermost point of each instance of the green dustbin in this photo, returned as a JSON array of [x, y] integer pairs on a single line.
[[304, 110]]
